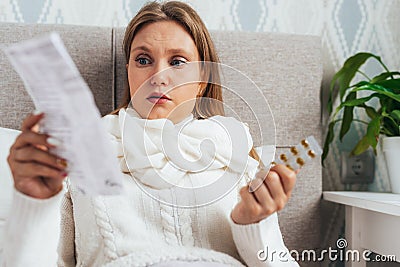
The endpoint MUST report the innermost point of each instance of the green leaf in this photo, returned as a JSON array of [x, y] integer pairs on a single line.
[[390, 125], [378, 89], [370, 138], [371, 112], [393, 84], [358, 101], [361, 83], [383, 76], [373, 131], [346, 74], [328, 140], [361, 146], [385, 131], [349, 69], [395, 114], [387, 104], [347, 116]]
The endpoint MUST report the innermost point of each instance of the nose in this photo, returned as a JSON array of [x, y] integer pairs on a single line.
[[161, 76]]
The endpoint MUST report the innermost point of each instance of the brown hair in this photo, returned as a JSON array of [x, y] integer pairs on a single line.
[[184, 15]]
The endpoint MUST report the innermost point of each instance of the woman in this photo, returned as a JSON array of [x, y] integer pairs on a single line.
[[134, 229]]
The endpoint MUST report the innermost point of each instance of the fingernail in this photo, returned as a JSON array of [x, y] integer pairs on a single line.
[[37, 112], [251, 188], [62, 162], [64, 174], [53, 141]]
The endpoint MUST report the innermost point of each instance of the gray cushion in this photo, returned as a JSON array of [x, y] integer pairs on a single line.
[[89, 47], [120, 65], [288, 70]]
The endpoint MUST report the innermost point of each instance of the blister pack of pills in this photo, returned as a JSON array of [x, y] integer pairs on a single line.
[[299, 155]]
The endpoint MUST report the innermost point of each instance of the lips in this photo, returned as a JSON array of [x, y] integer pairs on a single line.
[[158, 98]]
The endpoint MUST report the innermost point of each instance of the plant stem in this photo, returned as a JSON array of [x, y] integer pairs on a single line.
[[357, 120], [384, 66], [363, 74]]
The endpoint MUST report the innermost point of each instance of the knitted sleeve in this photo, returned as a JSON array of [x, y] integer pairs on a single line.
[[32, 231], [66, 245], [261, 244]]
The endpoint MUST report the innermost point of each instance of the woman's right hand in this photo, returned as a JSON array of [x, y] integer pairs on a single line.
[[36, 172]]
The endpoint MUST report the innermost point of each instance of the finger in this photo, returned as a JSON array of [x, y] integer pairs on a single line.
[[54, 184], [287, 177], [31, 121], [250, 205], [275, 188], [31, 169], [35, 128], [249, 200], [259, 179], [33, 154], [263, 196], [35, 139], [39, 187]]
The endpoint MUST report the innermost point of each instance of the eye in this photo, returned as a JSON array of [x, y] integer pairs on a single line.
[[142, 61], [178, 62]]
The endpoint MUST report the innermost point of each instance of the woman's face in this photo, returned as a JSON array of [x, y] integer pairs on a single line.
[[157, 68]]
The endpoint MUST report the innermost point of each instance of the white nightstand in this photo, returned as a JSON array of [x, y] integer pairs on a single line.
[[372, 222]]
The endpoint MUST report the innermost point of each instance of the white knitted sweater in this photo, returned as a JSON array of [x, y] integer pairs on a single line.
[[134, 228]]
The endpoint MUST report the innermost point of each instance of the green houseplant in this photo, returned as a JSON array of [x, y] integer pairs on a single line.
[[383, 115]]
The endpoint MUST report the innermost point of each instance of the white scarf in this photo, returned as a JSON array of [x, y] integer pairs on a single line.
[[162, 155]]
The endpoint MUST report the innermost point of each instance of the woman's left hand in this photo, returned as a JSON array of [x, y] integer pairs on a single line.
[[266, 194]]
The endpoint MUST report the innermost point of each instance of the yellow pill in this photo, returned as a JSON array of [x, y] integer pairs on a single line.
[[305, 143], [293, 149], [283, 157], [311, 153], [300, 161]]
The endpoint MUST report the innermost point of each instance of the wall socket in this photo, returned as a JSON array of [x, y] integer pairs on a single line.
[[357, 169]]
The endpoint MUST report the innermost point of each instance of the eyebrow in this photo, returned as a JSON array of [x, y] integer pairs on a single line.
[[170, 51], [144, 48]]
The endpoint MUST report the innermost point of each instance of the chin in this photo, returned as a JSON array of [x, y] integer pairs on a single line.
[[152, 113], [157, 115]]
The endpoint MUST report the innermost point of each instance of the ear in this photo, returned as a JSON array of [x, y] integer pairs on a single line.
[[126, 66]]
